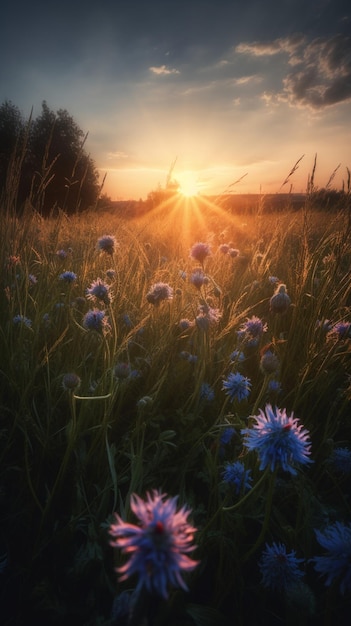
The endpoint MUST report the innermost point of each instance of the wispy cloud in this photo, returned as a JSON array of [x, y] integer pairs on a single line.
[[163, 70]]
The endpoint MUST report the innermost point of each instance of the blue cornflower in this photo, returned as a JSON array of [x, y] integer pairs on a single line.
[[238, 356], [71, 381], [227, 435], [274, 386], [107, 243], [279, 568], [336, 563], [237, 387], [253, 328], [280, 301], [157, 547], [278, 440], [206, 393], [68, 277], [200, 251], [99, 290], [340, 459], [96, 320], [22, 320], [158, 293], [235, 474]]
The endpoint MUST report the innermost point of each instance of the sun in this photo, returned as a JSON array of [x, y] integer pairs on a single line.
[[188, 185]]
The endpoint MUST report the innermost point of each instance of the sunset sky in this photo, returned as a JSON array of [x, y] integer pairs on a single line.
[[231, 89]]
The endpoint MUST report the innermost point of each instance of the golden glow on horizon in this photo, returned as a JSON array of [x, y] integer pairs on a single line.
[[188, 185]]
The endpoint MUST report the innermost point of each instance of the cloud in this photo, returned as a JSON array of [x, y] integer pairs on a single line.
[[163, 70], [322, 78], [322, 69]]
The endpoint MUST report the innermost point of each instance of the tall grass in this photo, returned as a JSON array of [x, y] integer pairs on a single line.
[[138, 421]]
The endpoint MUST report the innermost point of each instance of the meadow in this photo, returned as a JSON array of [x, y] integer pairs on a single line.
[[196, 351]]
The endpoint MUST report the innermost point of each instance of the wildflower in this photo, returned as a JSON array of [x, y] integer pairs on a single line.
[[224, 248], [99, 290], [107, 243], [68, 277], [200, 251], [274, 386], [197, 278], [184, 324], [32, 279], [208, 316], [122, 370], [340, 459], [127, 321], [238, 356], [279, 568], [269, 363], [253, 328], [237, 387], [278, 439], [159, 292], [336, 562], [280, 301], [340, 331], [186, 356], [234, 253], [236, 475], [22, 320], [206, 393], [70, 382], [61, 254], [111, 274], [274, 280], [95, 319], [157, 547], [227, 435]]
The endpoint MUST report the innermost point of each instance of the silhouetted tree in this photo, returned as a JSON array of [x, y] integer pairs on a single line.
[[56, 171]]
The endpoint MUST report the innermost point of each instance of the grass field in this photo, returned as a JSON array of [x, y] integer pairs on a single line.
[[134, 356]]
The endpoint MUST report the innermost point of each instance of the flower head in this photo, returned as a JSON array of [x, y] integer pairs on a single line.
[[198, 278], [107, 243], [340, 460], [70, 381], [61, 254], [279, 568], [159, 292], [237, 387], [157, 547], [22, 320], [68, 277], [236, 475], [99, 290], [336, 562], [340, 331], [280, 301], [200, 251], [95, 319], [206, 393], [269, 363], [278, 440]]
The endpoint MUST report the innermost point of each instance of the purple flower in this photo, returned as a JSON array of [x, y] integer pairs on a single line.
[[61, 254], [158, 293], [340, 459], [253, 328], [206, 393], [32, 279], [233, 252], [336, 562], [22, 320], [157, 547], [184, 324], [236, 475], [111, 274], [269, 363], [68, 277], [197, 278], [95, 319], [278, 440], [122, 370], [200, 251], [99, 290], [224, 248], [237, 387], [107, 243], [70, 382], [340, 330], [227, 435], [279, 568], [280, 301], [274, 386]]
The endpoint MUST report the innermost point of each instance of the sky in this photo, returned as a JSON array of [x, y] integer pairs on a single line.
[[231, 93]]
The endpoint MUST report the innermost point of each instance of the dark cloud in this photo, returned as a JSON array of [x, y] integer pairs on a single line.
[[322, 74]]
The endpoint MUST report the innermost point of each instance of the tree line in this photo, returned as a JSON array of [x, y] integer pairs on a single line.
[[43, 162]]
